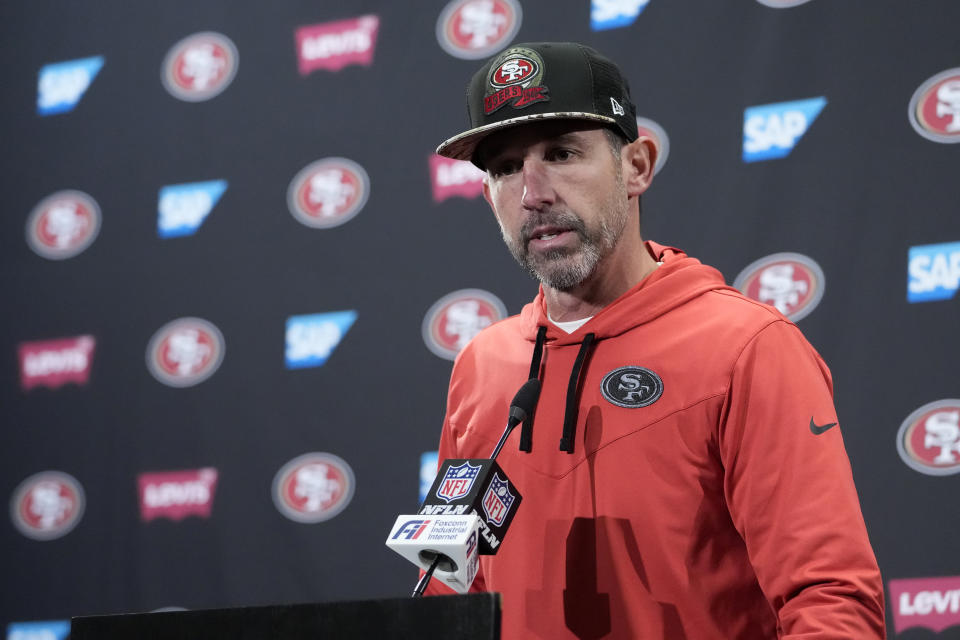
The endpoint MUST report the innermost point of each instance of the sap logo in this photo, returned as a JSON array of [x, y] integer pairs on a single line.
[[47, 630], [610, 14], [428, 472], [772, 130], [311, 339], [62, 84], [182, 208], [934, 272]]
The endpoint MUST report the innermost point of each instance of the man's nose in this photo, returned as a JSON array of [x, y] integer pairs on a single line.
[[538, 190]]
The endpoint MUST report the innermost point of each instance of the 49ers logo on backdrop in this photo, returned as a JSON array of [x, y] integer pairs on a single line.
[[649, 128], [313, 487], [455, 318], [929, 439], [63, 224], [185, 352], [935, 107], [782, 4], [47, 505], [200, 66], [515, 78], [328, 192], [632, 387], [474, 29], [791, 282]]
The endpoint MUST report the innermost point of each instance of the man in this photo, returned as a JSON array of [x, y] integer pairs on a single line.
[[701, 489]]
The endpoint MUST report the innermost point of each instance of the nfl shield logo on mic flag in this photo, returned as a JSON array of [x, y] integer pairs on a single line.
[[457, 481], [498, 500]]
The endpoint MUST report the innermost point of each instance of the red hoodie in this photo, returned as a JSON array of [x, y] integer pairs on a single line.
[[705, 496]]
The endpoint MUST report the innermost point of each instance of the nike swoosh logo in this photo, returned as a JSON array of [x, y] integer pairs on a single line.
[[817, 429]]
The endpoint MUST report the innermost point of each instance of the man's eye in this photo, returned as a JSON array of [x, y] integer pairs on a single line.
[[560, 154], [504, 169]]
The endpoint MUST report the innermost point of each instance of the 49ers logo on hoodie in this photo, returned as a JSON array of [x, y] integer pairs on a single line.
[[791, 282], [632, 387]]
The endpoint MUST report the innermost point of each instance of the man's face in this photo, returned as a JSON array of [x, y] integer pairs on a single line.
[[558, 193]]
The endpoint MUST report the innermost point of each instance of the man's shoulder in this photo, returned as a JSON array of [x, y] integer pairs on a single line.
[[729, 305], [498, 335]]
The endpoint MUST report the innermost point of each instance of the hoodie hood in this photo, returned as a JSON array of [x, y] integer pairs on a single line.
[[678, 280]]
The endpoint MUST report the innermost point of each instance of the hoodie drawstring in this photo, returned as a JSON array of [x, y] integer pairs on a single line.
[[571, 410], [526, 432], [570, 414]]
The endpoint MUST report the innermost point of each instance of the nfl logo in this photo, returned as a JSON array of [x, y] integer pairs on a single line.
[[457, 481], [498, 500]]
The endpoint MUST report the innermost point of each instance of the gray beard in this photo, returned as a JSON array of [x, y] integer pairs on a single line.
[[565, 269]]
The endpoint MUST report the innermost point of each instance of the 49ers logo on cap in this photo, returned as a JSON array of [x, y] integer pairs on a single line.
[[935, 107], [791, 282], [185, 352], [929, 439], [455, 318], [474, 29], [328, 192], [515, 79], [47, 505], [313, 487], [63, 224], [200, 66]]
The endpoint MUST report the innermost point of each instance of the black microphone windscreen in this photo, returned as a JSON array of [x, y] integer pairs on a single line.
[[526, 398]]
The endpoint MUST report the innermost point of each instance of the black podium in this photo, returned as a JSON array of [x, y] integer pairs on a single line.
[[469, 617]]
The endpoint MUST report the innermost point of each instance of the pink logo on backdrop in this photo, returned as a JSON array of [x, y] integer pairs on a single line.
[[933, 603], [334, 45], [53, 363], [454, 178], [177, 494]]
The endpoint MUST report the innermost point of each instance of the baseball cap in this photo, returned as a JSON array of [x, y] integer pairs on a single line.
[[543, 81]]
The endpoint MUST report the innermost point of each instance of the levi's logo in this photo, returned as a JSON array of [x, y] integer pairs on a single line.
[[53, 363], [177, 494], [933, 603], [334, 45], [454, 178]]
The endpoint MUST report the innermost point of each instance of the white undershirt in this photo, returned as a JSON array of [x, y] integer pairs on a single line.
[[572, 325]]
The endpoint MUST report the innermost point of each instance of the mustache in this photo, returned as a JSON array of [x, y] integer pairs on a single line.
[[561, 219]]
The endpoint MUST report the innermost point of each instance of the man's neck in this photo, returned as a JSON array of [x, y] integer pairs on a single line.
[[607, 283]]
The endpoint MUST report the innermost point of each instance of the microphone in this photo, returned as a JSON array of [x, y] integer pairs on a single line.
[[466, 512], [522, 406]]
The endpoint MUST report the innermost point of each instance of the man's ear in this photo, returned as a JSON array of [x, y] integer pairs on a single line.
[[639, 158], [486, 191]]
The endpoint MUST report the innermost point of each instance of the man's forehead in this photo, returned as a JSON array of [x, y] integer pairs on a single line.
[[532, 133]]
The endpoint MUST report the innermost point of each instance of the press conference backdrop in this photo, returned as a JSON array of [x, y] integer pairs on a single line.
[[234, 275]]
